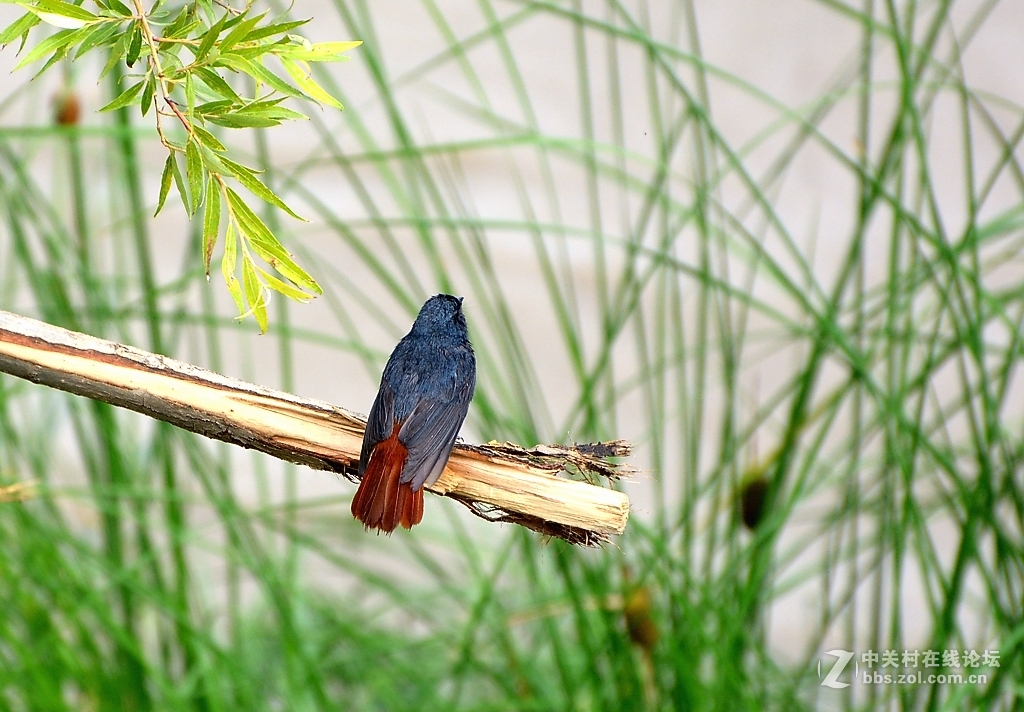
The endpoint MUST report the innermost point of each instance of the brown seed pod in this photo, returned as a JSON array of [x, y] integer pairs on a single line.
[[637, 611], [752, 499], [67, 109]]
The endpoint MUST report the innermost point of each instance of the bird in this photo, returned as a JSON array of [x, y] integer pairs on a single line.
[[423, 399]]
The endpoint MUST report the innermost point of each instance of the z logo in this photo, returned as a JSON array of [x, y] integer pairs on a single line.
[[832, 679]]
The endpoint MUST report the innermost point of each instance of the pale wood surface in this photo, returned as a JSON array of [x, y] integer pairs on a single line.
[[498, 482]]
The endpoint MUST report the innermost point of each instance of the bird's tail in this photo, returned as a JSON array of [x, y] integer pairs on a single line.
[[383, 502]]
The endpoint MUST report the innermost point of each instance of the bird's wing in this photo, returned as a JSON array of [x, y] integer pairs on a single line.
[[379, 424], [429, 434]]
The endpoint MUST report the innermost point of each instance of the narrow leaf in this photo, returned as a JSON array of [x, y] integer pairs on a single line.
[[208, 139], [211, 222], [18, 28], [249, 223], [190, 94], [116, 53], [239, 31], [56, 57], [179, 182], [165, 183], [101, 34], [270, 110], [61, 14], [212, 160], [134, 45], [267, 246], [260, 73], [194, 172], [284, 288], [216, 83], [253, 184], [148, 93], [180, 26], [61, 7], [254, 293], [228, 262], [69, 23], [210, 38], [242, 121], [304, 81], [320, 52], [271, 30], [44, 48], [214, 107], [118, 7], [125, 98]]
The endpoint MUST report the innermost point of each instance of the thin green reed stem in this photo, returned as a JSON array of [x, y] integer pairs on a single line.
[[591, 425], [853, 491], [615, 111], [80, 213]]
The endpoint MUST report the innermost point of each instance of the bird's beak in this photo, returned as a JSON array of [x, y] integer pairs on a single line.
[[460, 302]]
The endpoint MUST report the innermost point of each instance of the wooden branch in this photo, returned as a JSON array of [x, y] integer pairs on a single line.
[[498, 482]]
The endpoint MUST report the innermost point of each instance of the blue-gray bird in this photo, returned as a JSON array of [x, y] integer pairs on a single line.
[[423, 398]]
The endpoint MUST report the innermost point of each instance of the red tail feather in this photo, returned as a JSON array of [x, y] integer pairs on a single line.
[[382, 502]]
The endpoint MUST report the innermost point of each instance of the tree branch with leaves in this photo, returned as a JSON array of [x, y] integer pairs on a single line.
[[188, 63]]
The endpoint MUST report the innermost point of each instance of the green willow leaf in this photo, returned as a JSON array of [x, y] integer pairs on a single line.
[[194, 173], [254, 293], [283, 287], [101, 35], [190, 94], [179, 183], [212, 161], [147, 94], [247, 177], [216, 83], [211, 222], [213, 108], [165, 183], [236, 120], [271, 30], [208, 139], [50, 44], [116, 53], [62, 51], [118, 7], [210, 38], [238, 33], [18, 28], [125, 98], [320, 52], [60, 7], [260, 73], [272, 110], [228, 264], [134, 45], [250, 225], [304, 81], [61, 14], [181, 27], [267, 246]]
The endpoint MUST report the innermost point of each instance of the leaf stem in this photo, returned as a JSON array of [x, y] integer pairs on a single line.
[[161, 80]]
